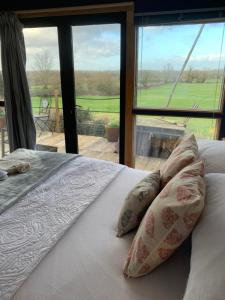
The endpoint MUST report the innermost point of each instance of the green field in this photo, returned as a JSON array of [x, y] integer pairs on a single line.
[[205, 95], [187, 95]]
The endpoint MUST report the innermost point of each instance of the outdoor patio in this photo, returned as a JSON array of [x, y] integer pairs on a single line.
[[98, 147]]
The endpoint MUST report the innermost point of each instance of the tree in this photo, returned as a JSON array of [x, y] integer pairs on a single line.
[[189, 75], [168, 73], [200, 76], [43, 64], [146, 79]]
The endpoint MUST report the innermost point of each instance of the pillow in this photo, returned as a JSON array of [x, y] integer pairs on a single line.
[[207, 273], [213, 153], [137, 202], [185, 153], [168, 221]]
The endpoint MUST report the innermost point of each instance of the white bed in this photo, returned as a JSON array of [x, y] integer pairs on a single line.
[[86, 263]]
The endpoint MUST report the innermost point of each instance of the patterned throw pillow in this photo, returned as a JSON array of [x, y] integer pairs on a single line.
[[137, 202], [168, 221], [184, 154]]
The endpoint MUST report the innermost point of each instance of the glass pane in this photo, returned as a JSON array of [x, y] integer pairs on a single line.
[[181, 66], [97, 79], [156, 137], [44, 83]]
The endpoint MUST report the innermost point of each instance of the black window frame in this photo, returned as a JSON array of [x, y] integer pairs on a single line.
[[181, 18], [64, 26]]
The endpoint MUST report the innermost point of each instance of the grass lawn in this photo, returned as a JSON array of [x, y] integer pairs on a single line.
[[205, 95], [111, 106]]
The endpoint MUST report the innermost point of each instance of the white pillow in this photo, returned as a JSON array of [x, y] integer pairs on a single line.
[[213, 154], [207, 273]]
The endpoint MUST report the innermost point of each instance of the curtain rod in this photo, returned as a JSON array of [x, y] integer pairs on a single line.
[[76, 10]]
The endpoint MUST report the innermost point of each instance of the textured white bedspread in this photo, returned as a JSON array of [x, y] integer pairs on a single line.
[[30, 228], [86, 264]]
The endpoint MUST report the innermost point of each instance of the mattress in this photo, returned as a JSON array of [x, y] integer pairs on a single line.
[[86, 264]]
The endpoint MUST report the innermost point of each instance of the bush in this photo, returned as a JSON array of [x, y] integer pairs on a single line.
[[113, 124], [83, 115]]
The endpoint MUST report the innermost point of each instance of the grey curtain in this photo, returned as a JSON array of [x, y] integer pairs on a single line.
[[20, 123]]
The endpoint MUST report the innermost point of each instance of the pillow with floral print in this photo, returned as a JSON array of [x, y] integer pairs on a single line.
[[168, 221], [184, 154], [137, 202]]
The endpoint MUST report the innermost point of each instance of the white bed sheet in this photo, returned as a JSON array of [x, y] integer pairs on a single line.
[[86, 264]]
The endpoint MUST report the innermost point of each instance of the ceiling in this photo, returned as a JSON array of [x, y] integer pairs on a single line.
[[141, 6]]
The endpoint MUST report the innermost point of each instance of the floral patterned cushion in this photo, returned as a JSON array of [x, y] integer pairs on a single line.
[[137, 202], [184, 154], [168, 221]]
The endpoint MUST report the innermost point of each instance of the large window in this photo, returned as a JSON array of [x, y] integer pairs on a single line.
[[180, 71], [77, 88], [43, 75], [181, 66]]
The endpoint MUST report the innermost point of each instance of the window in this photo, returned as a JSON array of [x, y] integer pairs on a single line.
[[179, 87], [156, 137], [89, 107], [181, 66], [43, 75]]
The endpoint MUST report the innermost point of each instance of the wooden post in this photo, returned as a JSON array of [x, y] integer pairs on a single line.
[[130, 79], [57, 112]]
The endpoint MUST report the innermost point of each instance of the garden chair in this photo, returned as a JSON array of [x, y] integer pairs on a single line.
[[42, 119]]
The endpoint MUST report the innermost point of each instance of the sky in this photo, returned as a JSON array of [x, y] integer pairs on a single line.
[[162, 45], [97, 47]]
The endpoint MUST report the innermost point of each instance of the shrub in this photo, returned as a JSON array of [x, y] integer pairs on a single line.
[[113, 124]]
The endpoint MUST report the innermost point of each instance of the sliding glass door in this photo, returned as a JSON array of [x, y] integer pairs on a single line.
[[96, 50], [78, 65]]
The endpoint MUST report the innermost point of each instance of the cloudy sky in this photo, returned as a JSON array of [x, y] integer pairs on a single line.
[[98, 47], [95, 47]]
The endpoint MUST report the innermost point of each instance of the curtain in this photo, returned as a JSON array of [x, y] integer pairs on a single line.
[[20, 123]]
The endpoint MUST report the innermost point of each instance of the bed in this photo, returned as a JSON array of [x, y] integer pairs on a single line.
[[86, 260]]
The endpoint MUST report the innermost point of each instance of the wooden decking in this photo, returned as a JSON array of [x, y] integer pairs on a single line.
[[98, 147]]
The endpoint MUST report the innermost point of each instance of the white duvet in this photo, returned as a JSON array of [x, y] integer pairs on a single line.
[[86, 264], [31, 227]]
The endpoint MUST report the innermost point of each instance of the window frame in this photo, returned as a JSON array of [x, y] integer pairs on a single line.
[[182, 19], [64, 23]]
